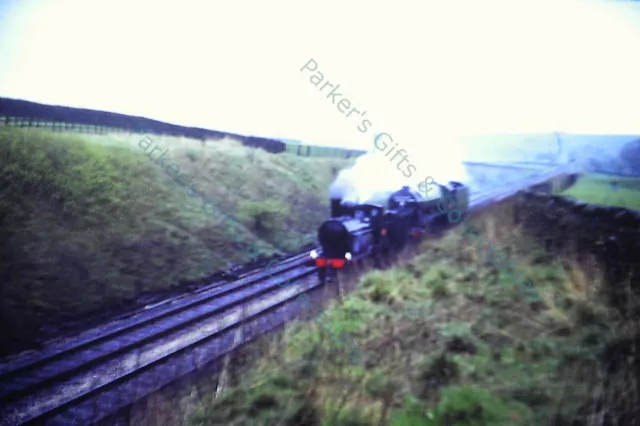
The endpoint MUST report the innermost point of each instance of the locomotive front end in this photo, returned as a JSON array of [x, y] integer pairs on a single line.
[[342, 240]]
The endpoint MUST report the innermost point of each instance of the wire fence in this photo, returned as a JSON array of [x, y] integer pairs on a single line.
[[55, 126], [59, 126]]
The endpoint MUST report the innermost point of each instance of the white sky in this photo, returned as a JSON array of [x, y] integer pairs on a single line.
[[421, 69]]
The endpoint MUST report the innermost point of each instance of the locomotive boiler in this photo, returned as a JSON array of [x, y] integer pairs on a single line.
[[357, 231]]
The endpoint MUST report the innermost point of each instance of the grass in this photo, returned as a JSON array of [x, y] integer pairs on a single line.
[[89, 222], [292, 148], [447, 341], [597, 189]]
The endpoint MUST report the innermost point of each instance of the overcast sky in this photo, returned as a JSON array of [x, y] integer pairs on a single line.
[[416, 67]]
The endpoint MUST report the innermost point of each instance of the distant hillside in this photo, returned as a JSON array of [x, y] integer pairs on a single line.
[[57, 113], [26, 114], [601, 151]]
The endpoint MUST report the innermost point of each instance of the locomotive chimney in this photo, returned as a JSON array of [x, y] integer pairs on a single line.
[[336, 209]]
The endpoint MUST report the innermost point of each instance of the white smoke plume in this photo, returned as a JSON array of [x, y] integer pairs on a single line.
[[374, 177], [369, 179]]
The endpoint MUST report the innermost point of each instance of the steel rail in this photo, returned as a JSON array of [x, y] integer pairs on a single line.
[[91, 377], [94, 345], [137, 319], [66, 378]]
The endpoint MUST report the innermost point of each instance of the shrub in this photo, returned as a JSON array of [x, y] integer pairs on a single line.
[[630, 156], [474, 405], [192, 155], [263, 215], [463, 406]]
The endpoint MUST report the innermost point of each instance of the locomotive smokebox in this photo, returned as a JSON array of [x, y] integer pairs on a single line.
[[336, 208]]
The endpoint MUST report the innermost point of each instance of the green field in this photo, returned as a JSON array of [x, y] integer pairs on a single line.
[[89, 222], [597, 189]]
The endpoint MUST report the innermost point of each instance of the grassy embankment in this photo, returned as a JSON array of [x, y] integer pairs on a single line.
[[446, 341], [89, 222], [597, 189]]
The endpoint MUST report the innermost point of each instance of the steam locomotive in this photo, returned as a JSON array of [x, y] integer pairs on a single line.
[[359, 231]]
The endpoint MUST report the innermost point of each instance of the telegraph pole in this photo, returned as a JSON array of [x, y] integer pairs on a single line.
[[559, 142]]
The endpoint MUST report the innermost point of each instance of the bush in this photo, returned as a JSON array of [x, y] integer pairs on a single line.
[[630, 156], [263, 216]]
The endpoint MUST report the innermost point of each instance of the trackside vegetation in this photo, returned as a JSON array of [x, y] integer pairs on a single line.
[[446, 340], [607, 191], [88, 223]]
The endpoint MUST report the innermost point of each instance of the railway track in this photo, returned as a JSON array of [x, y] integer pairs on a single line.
[[83, 379], [42, 382], [512, 165]]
